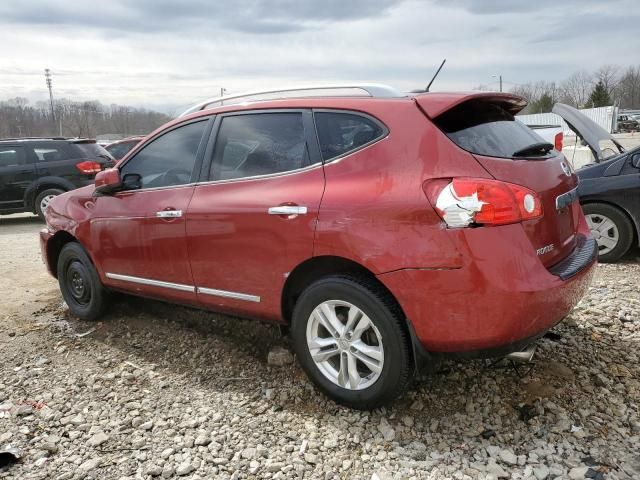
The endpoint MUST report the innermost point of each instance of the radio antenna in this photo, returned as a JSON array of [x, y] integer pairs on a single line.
[[436, 74]]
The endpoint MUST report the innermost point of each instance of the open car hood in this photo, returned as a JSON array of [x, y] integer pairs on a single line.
[[592, 133]]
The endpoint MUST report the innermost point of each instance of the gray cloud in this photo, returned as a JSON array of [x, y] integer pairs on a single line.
[[248, 16], [164, 52], [487, 7]]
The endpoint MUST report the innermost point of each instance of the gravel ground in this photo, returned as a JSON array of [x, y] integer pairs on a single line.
[[161, 391]]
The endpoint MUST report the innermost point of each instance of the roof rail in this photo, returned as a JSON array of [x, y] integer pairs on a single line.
[[366, 89], [33, 138]]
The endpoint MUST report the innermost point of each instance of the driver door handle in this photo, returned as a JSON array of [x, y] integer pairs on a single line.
[[288, 210], [169, 214]]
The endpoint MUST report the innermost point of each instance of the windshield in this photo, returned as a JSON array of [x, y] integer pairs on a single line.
[[486, 128], [93, 150]]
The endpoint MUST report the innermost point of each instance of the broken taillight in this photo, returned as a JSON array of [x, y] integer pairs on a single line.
[[462, 202], [89, 167]]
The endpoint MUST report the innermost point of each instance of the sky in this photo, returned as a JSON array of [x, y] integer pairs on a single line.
[[168, 54]]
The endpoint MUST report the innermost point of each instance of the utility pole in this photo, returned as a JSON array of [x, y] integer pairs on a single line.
[[222, 91], [60, 111], [47, 76], [499, 77], [126, 121]]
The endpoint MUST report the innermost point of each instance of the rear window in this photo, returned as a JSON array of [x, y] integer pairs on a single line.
[[341, 133], [92, 150], [487, 129]]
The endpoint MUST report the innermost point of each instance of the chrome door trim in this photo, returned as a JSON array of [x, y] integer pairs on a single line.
[[266, 176], [153, 189], [153, 283], [169, 214], [566, 199], [227, 294]]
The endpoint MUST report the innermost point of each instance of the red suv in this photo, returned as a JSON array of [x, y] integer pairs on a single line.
[[383, 228]]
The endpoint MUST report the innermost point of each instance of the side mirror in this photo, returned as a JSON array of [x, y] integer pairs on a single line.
[[108, 181], [635, 160]]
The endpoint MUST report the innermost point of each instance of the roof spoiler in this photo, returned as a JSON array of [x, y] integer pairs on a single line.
[[435, 104]]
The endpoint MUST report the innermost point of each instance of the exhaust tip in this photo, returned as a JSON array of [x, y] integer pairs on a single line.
[[524, 356]]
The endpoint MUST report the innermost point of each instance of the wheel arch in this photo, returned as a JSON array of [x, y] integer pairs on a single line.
[[315, 268], [54, 247], [624, 211]]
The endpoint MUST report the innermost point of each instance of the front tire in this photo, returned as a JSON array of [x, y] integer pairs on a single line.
[[43, 198], [350, 338], [612, 230], [79, 283]]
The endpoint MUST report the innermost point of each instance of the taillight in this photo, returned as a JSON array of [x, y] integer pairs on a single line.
[[462, 202], [557, 141], [89, 167]]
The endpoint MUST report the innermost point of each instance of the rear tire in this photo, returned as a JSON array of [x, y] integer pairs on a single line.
[[79, 283], [43, 199], [364, 363], [612, 230]]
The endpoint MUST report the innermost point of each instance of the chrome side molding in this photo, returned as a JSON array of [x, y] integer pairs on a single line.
[[150, 282], [184, 288], [227, 294]]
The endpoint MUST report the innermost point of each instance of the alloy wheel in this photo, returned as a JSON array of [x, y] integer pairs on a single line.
[[345, 345]]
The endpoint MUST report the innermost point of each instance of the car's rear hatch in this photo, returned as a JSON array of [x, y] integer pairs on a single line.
[[88, 149], [484, 125]]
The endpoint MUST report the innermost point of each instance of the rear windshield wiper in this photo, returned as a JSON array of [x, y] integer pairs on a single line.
[[535, 149]]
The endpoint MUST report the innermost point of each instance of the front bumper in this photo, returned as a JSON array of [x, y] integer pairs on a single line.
[[45, 237], [501, 299]]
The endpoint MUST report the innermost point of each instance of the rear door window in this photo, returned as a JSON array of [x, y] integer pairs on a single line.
[[12, 156], [257, 144], [341, 133], [50, 153], [486, 128]]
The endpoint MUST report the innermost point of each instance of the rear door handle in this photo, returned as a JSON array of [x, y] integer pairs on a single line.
[[288, 210], [169, 214]]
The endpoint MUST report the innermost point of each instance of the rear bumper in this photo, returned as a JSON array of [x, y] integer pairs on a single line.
[[45, 237], [502, 298]]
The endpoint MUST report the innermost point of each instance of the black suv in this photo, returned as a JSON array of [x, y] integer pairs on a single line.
[[34, 170]]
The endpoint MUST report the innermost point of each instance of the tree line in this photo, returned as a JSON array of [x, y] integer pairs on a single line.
[[608, 85], [18, 118]]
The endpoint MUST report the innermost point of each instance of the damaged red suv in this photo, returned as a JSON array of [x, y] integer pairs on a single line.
[[384, 229]]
